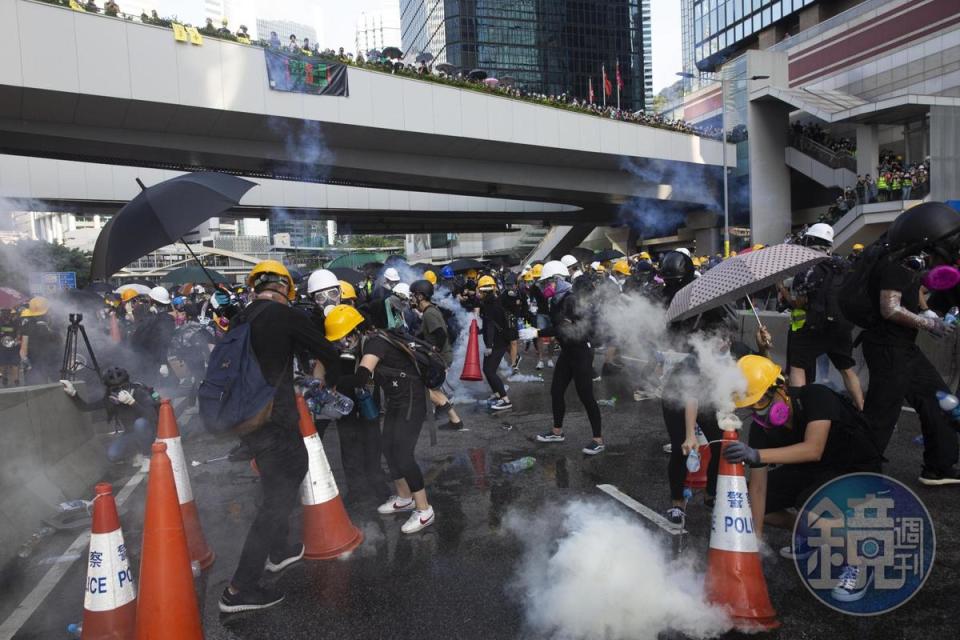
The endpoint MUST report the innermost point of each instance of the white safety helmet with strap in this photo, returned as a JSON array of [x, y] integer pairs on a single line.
[[402, 291], [160, 295], [322, 279], [554, 269], [568, 261], [821, 231]]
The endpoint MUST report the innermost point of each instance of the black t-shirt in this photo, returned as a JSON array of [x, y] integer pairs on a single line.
[[893, 276], [395, 373], [44, 344]]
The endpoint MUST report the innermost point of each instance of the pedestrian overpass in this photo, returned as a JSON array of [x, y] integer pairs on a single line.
[[118, 92]]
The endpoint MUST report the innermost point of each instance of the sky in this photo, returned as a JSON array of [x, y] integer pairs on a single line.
[[336, 20]]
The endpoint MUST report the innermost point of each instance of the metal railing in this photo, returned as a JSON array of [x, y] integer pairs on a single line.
[[823, 154]]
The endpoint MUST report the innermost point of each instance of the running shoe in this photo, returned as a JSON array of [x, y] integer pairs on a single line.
[[396, 504], [594, 448], [418, 520], [550, 363], [516, 363], [676, 515], [799, 550], [847, 589], [668, 448], [539, 365], [291, 556], [550, 436], [250, 600], [452, 426], [933, 478], [501, 405], [597, 377]]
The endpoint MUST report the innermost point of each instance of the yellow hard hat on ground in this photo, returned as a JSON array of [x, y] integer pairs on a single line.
[[341, 320], [761, 374], [38, 307], [430, 277], [487, 282], [622, 268], [536, 270], [263, 271], [347, 292]]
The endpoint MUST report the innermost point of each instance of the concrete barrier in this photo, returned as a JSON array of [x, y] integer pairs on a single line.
[[49, 453]]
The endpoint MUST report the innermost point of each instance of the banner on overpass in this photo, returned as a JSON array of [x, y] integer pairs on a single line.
[[302, 74]]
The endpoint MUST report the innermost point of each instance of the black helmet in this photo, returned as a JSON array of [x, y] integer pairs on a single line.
[[923, 226], [115, 377], [676, 268], [423, 287]]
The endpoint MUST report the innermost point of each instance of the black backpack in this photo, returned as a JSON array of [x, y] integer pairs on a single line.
[[822, 289], [426, 359], [857, 298]]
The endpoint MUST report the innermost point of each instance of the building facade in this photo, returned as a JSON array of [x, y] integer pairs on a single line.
[[284, 29], [547, 46], [376, 30]]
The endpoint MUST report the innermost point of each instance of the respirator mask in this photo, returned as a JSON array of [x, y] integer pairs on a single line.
[[773, 410]]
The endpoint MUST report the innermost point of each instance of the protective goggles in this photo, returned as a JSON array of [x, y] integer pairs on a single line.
[[326, 297]]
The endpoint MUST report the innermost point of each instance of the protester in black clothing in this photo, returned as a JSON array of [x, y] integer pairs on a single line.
[[9, 348], [132, 408], [516, 305], [277, 332], [898, 368], [433, 329], [572, 324], [395, 371], [152, 337], [41, 346], [496, 341]]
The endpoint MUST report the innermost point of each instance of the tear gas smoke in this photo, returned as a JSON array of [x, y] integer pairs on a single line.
[[591, 573]]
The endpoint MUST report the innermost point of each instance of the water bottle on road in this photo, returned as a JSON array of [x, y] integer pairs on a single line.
[[516, 466]]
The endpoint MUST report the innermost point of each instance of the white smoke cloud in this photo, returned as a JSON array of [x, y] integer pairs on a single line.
[[591, 573]]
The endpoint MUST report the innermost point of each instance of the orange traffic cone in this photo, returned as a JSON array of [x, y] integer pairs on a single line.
[[115, 336], [327, 529], [734, 575], [167, 607], [698, 479], [109, 601], [168, 432], [471, 364]]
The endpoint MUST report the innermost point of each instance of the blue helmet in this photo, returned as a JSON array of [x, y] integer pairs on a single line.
[[446, 272]]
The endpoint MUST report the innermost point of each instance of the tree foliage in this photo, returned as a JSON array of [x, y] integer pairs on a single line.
[[22, 259]]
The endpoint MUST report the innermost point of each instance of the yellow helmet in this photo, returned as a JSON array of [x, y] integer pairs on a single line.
[[761, 374], [644, 255], [347, 292], [857, 248], [536, 270], [272, 268], [757, 247], [487, 282], [128, 294], [430, 277], [527, 275], [38, 307], [341, 320], [621, 267], [472, 274]]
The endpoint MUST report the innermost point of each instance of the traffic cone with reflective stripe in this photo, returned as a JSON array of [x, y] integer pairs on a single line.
[[167, 607], [698, 479], [109, 601], [734, 573], [168, 432], [327, 529], [115, 336], [471, 363]]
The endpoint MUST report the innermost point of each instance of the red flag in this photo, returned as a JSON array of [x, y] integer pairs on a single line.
[[619, 77], [590, 92], [607, 86]]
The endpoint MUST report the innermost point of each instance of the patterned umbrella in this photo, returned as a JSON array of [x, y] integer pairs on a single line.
[[740, 276]]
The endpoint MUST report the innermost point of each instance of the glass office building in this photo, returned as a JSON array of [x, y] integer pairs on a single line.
[[547, 46], [722, 28]]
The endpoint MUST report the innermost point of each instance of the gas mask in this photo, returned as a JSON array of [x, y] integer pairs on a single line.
[[349, 345], [550, 290], [942, 278], [773, 411]]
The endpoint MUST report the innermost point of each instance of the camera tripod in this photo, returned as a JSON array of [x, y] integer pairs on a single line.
[[72, 361]]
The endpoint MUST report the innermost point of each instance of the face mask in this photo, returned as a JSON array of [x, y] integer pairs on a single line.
[[550, 290], [942, 278], [776, 414]]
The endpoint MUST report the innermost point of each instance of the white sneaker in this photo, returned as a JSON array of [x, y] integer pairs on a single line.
[[540, 365], [550, 363], [668, 448], [396, 504], [418, 521]]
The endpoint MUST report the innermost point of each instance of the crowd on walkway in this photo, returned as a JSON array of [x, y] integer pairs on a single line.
[[818, 134]]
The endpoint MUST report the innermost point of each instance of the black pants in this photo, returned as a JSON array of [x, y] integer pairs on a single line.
[[490, 365], [673, 418], [898, 373], [575, 363], [282, 460], [402, 423], [360, 454]]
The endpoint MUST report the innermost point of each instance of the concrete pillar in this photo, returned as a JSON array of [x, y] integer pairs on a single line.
[[868, 149], [944, 153]]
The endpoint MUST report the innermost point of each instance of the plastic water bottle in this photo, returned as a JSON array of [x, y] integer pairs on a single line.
[[687, 494], [333, 403], [612, 402], [693, 461], [367, 405], [949, 404], [516, 466], [953, 315], [75, 629]]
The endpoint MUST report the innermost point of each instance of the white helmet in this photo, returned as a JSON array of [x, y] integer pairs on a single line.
[[161, 295], [568, 261], [391, 275], [685, 251], [322, 279], [822, 231], [553, 269], [402, 291], [595, 265], [199, 289]]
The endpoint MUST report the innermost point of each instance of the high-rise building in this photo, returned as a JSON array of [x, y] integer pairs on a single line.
[[547, 46], [378, 29], [284, 29]]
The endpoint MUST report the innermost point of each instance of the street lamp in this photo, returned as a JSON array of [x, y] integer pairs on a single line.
[[723, 145]]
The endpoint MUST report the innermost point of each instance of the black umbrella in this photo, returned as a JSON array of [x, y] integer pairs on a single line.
[[101, 288], [393, 53], [193, 273], [465, 264], [394, 260], [582, 254], [348, 275], [507, 81], [371, 268], [447, 68], [426, 57], [608, 254], [478, 75], [162, 215]]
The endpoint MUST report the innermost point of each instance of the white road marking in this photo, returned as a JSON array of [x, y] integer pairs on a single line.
[[641, 509]]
